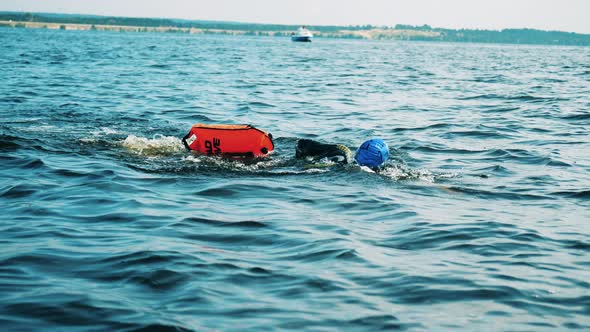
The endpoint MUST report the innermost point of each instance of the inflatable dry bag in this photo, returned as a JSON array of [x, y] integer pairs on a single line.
[[229, 140]]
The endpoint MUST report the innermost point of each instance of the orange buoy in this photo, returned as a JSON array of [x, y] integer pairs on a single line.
[[239, 141]]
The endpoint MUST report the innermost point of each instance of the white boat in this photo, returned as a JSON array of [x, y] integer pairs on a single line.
[[302, 35]]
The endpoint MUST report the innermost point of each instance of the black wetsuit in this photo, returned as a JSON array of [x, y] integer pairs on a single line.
[[337, 153]]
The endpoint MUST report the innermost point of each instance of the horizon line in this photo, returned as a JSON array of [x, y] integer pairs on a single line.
[[286, 24]]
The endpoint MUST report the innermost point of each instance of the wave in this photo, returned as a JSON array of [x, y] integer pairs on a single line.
[[13, 99], [521, 97], [522, 156], [18, 191], [246, 224], [11, 143], [498, 194], [490, 79], [432, 126], [579, 116], [260, 104], [581, 194], [160, 66], [482, 134]]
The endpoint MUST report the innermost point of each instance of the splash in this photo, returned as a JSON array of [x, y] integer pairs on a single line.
[[203, 161], [159, 145], [275, 166], [398, 172]]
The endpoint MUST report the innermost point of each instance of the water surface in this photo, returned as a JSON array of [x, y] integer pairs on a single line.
[[479, 221]]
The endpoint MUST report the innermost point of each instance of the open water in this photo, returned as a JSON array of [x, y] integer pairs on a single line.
[[479, 222]]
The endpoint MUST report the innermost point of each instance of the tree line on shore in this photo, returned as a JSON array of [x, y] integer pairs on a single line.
[[508, 36], [511, 36]]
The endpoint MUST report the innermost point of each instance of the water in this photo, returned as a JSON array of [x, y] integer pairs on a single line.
[[479, 221]]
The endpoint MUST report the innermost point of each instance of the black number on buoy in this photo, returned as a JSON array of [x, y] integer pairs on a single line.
[[208, 147], [216, 144]]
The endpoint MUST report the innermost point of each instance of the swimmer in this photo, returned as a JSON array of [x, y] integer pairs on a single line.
[[246, 143], [372, 153], [310, 149]]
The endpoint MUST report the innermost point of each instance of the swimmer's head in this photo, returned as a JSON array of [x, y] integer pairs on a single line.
[[372, 153]]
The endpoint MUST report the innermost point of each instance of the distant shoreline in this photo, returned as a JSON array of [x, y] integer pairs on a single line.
[[362, 34], [102, 27], [399, 32]]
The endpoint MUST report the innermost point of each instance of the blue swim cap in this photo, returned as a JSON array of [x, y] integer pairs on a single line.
[[372, 153]]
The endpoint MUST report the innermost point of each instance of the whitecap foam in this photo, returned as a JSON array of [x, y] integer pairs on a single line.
[[88, 140], [44, 128], [105, 131], [98, 134]]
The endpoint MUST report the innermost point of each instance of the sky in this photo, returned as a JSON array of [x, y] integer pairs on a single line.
[[563, 15]]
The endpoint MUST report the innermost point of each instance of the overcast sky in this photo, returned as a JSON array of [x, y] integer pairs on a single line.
[[565, 15]]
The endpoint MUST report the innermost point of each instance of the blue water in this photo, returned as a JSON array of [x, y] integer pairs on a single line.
[[479, 221]]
